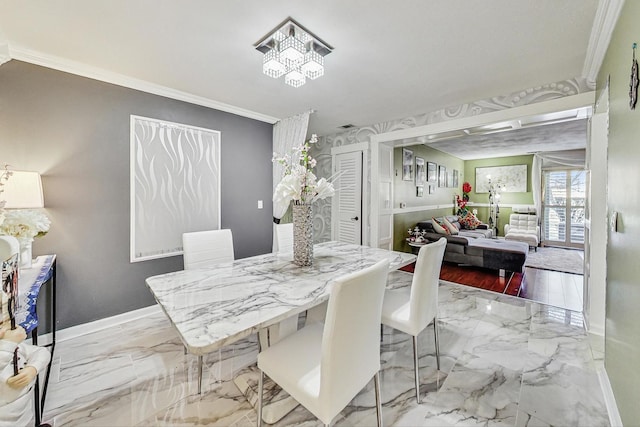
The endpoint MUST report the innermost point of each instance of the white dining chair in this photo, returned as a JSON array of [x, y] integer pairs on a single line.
[[204, 248], [411, 309], [284, 238], [324, 366]]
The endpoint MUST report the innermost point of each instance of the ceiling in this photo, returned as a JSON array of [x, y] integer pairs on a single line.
[[559, 131], [391, 59]]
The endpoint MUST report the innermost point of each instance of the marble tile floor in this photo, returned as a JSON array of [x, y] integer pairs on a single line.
[[554, 288], [505, 362]]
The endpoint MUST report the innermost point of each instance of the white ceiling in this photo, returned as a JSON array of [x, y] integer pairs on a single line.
[[391, 59], [570, 135]]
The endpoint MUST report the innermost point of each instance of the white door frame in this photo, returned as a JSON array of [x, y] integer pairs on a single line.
[[595, 274], [362, 147]]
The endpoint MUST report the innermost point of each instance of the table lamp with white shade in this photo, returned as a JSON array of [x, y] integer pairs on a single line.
[[22, 194]]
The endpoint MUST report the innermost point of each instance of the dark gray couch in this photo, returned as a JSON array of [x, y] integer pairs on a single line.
[[479, 251]]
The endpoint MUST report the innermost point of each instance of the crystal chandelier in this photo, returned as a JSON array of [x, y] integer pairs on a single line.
[[290, 50]]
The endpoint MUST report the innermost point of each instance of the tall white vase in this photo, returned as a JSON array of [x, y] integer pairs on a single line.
[[25, 254], [302, 235]]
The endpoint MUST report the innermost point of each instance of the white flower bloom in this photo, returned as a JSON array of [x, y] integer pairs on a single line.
[[25, 224], [324, 189]]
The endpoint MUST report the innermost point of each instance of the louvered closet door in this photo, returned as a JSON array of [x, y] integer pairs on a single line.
[[349, 198]]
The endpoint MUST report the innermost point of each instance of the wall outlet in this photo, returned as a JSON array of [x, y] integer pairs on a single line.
[[403, 205], [259, 204]]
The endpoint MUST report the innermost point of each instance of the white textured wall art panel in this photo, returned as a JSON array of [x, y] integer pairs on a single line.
[[175, 185]]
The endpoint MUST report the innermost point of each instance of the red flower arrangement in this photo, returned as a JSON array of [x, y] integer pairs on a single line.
[[466, 188], [462, 201]]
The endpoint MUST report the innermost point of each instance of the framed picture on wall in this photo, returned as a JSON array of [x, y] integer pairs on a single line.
[[407, 164], [442, 176], [450, 179], [432, 172], [419, 190], [455, 178], [512, 179], [421, 172]]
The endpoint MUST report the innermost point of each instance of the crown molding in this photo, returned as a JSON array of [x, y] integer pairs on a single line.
[[102, 75], [603, 25]]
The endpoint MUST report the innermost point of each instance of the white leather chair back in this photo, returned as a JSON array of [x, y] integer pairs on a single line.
[[284, 238], [205, 248], [523, 222], [424, 287], [351, 335]]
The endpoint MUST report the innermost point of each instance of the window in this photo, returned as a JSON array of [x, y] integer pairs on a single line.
[[563, 207]]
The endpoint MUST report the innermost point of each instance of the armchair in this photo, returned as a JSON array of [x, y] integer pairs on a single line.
[[523, 228]]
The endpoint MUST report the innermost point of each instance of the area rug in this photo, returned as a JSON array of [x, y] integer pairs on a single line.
[[556, 259]]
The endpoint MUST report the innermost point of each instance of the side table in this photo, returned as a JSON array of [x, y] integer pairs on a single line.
[[30, 281], [415, 246]]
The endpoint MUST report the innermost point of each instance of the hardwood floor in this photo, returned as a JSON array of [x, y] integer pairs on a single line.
[[482, 278], [555, 288]]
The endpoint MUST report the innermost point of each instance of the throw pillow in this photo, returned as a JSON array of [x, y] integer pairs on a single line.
[[452, 228], [439, 227], [469, 221]]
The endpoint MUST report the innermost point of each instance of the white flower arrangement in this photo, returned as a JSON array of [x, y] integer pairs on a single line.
[[25, 224], [299, 184]]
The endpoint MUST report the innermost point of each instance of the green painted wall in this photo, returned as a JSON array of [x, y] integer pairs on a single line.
[[506, 198], [405, 192], [622, 326]]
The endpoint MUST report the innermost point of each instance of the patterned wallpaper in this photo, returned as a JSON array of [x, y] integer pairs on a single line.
[[322, 150]]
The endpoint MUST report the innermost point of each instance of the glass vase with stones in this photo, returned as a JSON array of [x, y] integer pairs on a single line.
[[303, 234]]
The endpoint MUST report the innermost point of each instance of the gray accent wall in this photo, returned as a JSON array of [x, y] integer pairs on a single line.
[[75, 132]]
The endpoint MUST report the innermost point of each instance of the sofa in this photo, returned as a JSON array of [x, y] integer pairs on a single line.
[[477, 247]]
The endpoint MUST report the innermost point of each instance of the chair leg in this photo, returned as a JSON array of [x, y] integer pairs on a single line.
[[260, 381], [376, 381], [200, 375], [437, 343], [415, 364]]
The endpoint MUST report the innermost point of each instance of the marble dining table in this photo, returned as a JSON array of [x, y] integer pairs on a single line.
[[219, 305]]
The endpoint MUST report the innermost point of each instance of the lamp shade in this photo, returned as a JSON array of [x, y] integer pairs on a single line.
[[23, 190]]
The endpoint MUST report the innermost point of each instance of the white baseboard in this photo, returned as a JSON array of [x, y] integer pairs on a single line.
[[97, 325], [609, 399]]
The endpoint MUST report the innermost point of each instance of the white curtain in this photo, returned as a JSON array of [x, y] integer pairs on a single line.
[[536, 183], [287, 133]]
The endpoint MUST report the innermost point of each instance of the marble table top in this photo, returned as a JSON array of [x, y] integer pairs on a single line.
[[216, 306]]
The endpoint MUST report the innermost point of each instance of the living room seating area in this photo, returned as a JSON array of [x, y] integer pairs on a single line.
[[476, 247]]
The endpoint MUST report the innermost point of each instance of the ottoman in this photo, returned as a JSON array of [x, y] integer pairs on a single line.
[[530, 238], [499, 254]]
